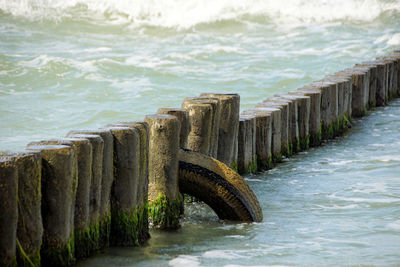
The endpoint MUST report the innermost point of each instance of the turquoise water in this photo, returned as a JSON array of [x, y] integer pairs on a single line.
[[85, 63], [336, 205], [81, 64]]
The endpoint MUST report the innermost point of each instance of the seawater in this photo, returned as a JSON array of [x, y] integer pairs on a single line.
[[81, 64], [335, 205]]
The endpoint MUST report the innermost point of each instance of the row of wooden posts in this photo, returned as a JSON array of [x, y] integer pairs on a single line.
[[64, 199]]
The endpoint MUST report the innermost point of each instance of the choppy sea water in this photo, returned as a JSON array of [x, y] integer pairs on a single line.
[[335, 205], [81, 64]]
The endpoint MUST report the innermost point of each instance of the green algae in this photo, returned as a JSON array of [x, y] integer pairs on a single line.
[[164, 213], [22, 259], [13, 263], [277, 158], [62, 256], [305, 143], [105, 231], [290, 149], [264, 164], [252, 167], [129, 228], [315, 138]]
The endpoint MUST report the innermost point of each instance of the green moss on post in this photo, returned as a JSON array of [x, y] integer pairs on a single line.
[[164, 197], [131, 227], [163, 213], [61, 256], [25, 260], [124, 225], [315, 139], [105, 230], [277, 158], [143, 230], [305, 143], [296, 147], [290, 149], [252, 167], [265, 164]]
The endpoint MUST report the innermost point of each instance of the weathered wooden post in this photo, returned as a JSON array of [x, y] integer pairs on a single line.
[[107, 178], [329, 107], [8, 211], [124, 196], [284, 107], [360, 88], [30, 227], [164, 198], [83, 154], [347, 95], [342, 83], [314, 126], [59, 182], [391, 75], [380, 94], [396, 56], [183, 117], [215, 120], [293, 130], [93, 232], [276, 126], [201, 115], [143, 179], [247, 160], [373, 81], [228, 127], [263, 138], [303, 117]]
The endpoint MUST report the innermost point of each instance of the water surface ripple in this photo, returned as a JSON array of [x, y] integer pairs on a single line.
[[81, 64], [335, 205]]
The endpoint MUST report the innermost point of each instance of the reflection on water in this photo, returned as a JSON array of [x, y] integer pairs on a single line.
[[338, 204]]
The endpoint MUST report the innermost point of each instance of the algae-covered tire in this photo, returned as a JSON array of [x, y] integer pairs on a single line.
[[220, 187]]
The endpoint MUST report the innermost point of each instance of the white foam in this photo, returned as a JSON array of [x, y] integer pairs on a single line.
[[394, 225], [222, 254], [370, 188], [187, 13], [394, 40], [184, 261], [237, 265], [366, 200]]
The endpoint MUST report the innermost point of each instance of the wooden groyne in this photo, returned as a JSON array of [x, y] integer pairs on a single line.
[[64, 199]]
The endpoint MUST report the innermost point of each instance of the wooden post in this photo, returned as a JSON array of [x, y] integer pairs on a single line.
[[164, 198], [303, 117], [143, 180], [59, 181], [30, 226], [8, 211], [183, 117], [228, 127], [276, 126], [284, 107], [314, 123], [93, 233], [263, 138], [247, 160], [201, 118]]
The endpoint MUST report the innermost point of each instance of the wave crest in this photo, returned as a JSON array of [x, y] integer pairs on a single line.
[[188, 13]]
